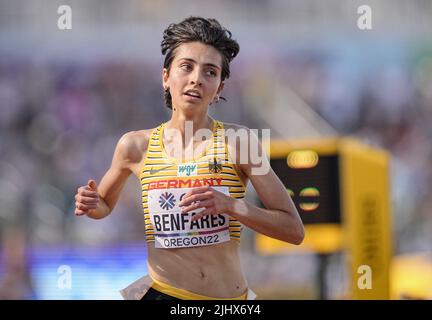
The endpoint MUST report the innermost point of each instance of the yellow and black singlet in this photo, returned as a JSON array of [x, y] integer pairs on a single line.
[[164, 182]]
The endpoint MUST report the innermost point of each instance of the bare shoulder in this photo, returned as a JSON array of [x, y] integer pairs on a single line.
[[133, 145], [244, 148], [237, 137], [234, 126], [237, 134]]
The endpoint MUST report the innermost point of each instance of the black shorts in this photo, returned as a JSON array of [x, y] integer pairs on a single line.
[[153, 294]]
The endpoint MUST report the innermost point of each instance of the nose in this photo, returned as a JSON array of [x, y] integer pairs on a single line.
[[196, 77]]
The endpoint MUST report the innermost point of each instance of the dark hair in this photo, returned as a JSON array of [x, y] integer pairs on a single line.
[[207, 31]]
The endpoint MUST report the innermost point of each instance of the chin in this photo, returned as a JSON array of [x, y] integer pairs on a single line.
[[191, 106]]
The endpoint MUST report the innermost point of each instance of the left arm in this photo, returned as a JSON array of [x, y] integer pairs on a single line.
[[280, 219]]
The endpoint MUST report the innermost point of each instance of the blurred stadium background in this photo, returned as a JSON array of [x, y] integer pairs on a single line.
[[304, 70]]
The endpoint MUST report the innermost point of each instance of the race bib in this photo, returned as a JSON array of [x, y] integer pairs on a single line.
[[174, 229]]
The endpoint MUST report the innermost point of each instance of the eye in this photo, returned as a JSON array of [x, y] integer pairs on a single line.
[[211, 73], [186, 67]]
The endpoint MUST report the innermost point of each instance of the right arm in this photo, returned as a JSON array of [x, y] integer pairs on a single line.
[[97, 202]]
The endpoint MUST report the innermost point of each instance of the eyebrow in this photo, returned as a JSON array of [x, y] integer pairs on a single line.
[[206, 64]]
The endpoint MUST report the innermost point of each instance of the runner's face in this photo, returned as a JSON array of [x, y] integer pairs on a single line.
[[196, 67]]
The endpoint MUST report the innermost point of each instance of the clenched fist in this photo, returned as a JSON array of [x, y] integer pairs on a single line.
[[86, 199]]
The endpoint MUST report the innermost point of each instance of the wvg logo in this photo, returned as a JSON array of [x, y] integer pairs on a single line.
[[186, 170]]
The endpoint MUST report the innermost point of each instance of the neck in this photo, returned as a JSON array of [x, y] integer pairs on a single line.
[[181, 129], [179, 121]]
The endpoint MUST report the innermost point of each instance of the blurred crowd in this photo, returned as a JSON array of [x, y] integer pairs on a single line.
[[386, 102], [59, 124]]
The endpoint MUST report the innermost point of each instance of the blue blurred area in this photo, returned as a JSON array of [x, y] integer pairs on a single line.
[[73, 272]]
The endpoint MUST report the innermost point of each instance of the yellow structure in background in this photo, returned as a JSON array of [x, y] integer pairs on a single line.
[[411, 276], [349, 209]]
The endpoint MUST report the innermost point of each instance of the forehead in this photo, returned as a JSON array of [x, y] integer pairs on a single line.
[[200, 52]]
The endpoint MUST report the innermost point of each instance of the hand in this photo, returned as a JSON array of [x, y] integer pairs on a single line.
[[87, 198], [213, 201]]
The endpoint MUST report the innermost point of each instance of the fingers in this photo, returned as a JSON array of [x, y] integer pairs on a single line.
[[197, 205], [85, 207], [87, 193], [92, 185], [80, 212], [197, 190], [86, 198], [195, 197]]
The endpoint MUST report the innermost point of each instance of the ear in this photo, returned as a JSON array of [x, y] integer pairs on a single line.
[[221, 86], [165, 78]]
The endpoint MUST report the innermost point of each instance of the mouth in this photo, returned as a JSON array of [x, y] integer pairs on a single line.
[[193, 94]]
